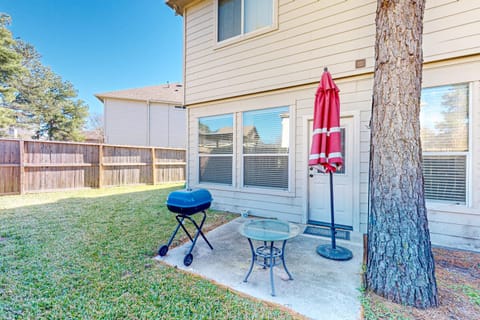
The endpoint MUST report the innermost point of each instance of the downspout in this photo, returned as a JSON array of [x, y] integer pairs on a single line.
[[148, 123], [187, 111], [169, 109], [105, 139]]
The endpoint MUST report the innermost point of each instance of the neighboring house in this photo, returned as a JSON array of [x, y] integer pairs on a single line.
[[93, 136], [149, 116], [258, 63]]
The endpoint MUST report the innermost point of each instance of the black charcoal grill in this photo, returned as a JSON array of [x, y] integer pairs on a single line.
[[186, 203]]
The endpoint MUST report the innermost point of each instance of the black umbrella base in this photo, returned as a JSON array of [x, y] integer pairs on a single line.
[[339, 253]]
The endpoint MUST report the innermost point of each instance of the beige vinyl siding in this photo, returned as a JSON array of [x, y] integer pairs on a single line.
[[311, 34], [450, 225], [455, 228], [290, 205], [451, 29]]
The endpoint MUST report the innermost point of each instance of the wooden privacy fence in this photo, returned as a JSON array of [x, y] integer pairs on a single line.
[[28, 166]]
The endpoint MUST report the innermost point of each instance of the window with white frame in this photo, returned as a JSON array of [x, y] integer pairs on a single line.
[[444, 119], [215, 148], [237, 17], [266, 139]]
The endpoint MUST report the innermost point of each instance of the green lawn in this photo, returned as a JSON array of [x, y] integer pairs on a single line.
[[88, 254]]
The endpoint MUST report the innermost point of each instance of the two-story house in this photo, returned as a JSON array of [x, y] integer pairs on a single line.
[[257, 63]]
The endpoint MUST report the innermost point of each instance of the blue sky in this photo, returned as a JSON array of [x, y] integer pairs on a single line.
[[102, 45]]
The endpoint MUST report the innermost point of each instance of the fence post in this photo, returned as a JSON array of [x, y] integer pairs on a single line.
[[100, 166], [154, 167], [21, 162]]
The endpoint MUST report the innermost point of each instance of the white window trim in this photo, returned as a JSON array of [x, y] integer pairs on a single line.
[[436, 204], [233, 155], [291, 152], [244, 36]]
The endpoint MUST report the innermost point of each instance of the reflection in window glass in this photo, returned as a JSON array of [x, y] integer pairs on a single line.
[[444, 118], [215, 147], [266, 138], [258, 14], [229, 18], [216, 135]]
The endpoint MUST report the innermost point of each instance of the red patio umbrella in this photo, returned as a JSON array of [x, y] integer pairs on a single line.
[[326, 151]]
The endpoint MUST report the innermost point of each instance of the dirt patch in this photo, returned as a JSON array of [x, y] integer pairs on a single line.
[[458, 280]]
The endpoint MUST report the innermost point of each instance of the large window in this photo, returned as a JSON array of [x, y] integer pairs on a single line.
[[444, 122], [237, 17], [215, 148], [266, 136]]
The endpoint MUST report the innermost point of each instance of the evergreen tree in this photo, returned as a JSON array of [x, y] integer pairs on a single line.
[[38, 98], [10, 66]]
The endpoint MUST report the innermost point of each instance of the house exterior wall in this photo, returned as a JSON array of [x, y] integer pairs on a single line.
[[282, 68], [311, 34], [450, 225], [144, 123], [126, 122], [168, 126]]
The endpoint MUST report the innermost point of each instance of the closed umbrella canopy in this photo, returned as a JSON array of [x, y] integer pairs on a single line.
[[326, 151], [326, 141]]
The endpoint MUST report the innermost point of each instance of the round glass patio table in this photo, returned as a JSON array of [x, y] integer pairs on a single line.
[[268, 255]]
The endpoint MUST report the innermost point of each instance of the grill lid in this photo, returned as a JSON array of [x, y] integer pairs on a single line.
[[189, 198]]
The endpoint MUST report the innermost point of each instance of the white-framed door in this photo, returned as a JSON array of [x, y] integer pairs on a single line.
[[343, 184]]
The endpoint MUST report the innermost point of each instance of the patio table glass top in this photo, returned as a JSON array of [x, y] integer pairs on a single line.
[[269, 230]]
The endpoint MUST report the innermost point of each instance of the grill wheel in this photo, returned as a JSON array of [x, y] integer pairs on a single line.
[[188, 259], [163, 250]]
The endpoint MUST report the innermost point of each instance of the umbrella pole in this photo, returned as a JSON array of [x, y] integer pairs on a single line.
[[332, 213], [333, 251]]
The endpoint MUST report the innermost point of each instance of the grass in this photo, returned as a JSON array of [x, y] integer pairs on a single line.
[[472, 293], [88, 254]]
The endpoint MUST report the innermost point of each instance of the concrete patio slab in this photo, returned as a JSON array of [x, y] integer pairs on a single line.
[[321, 289]]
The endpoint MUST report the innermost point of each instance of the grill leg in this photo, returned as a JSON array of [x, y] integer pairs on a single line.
[[175, 232], [180, 220], [198, 232], [199, 228]]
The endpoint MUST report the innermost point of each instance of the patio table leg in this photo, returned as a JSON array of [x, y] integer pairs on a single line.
[[271, 269], [283, 260], [265, 258], [254, 256]]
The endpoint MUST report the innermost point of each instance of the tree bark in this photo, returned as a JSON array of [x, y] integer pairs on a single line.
[[400, 264]]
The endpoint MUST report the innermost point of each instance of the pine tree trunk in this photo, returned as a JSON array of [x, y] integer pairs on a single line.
[[400, 264]]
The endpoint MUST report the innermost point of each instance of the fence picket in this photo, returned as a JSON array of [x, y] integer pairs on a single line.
[[28, 166]]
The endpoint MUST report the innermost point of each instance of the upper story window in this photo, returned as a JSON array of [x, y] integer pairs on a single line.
[[238, 17], [444, 119]]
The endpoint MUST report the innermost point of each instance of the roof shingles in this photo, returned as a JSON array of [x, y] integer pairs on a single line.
[[167, 93]]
